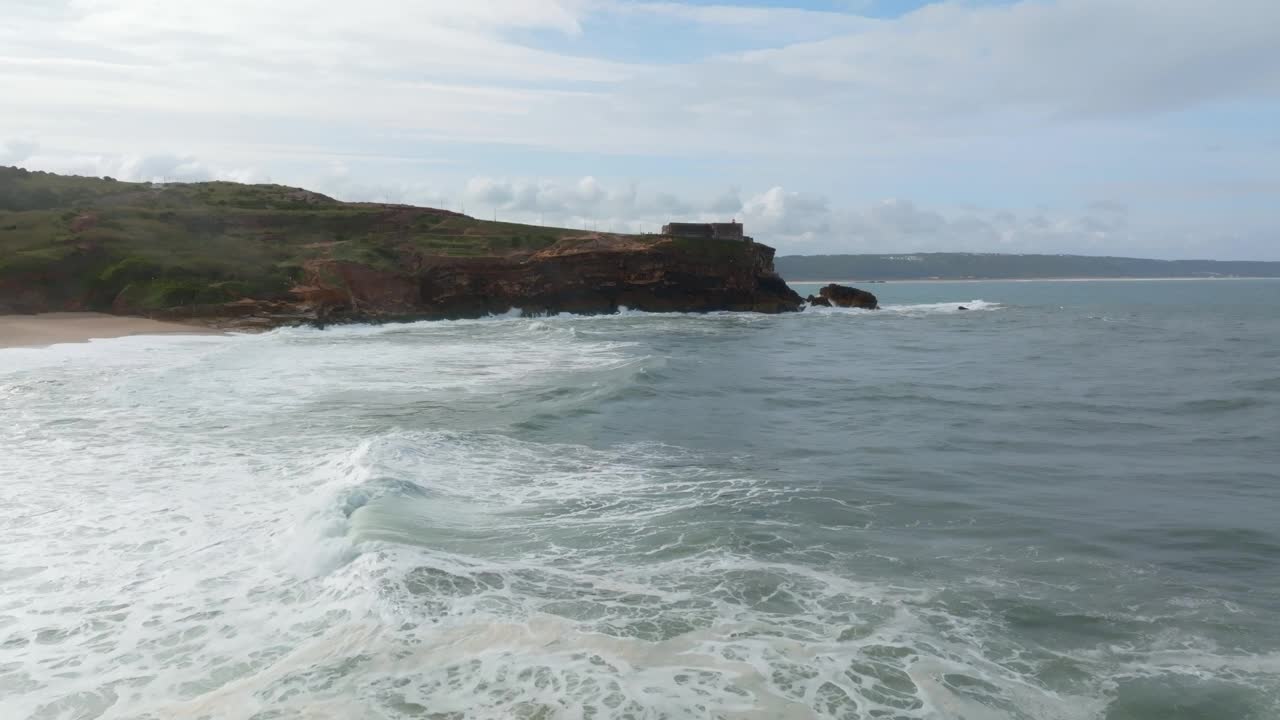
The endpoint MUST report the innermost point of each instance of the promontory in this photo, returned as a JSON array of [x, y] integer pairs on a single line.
[[229, 254]]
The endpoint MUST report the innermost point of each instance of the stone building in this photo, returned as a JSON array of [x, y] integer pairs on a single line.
[[706, 231]]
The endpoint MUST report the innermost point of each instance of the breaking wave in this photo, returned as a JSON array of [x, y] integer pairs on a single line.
[[636, 515]]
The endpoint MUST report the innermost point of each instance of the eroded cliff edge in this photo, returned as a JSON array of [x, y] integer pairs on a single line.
[[590, 274], [267, 255]]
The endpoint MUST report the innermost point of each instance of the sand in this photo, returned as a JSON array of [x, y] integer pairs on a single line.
[[54, 328]]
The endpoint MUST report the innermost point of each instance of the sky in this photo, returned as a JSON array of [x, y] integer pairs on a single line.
[[1123, 127]]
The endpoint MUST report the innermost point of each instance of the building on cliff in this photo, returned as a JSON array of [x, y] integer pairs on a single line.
[[706, 231]]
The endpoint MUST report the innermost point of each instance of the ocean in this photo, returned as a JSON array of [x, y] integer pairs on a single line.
[[1061, 503]]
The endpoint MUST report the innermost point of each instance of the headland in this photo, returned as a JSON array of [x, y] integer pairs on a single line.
[[229, 255]]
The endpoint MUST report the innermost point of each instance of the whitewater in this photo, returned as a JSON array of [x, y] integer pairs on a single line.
[[1059, 503]]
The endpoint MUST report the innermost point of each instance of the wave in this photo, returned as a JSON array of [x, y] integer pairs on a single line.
[[943, 308], [1212, 406], [509, 577], [361, 522]]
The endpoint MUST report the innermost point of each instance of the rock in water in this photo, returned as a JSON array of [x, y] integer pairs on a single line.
[[818, 301], [847, 297]]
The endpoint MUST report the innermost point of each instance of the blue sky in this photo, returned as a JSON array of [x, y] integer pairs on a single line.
[[1134, 127]]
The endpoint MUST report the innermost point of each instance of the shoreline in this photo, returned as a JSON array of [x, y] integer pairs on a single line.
[[1024, 280], [45, 329], [58, 328]]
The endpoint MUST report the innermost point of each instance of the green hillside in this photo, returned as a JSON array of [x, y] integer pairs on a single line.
[[958, 266], [97, 242]]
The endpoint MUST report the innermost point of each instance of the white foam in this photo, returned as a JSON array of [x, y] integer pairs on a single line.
[[216, 526], [909, 310], [944, 307], [486, 634]]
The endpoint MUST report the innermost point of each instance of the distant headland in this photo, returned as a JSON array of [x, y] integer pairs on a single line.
[[233, 255], [991, 266]]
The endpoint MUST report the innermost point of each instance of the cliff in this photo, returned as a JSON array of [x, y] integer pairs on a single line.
[[266, 255]]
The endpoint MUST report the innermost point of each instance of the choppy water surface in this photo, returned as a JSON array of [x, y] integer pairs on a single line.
[[1061, 503]]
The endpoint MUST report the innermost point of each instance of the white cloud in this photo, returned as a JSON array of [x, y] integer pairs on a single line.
[[1065, 100], [789, 24], [136, 168], [589, 190], [794, 222], [13, 152], [491, 192], [898, 225], [806, 223], [317, 33], [777, 212], [450, 69], [957, 70]]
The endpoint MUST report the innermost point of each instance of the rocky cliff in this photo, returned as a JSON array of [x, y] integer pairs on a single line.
[[585, 275], [270, 255]]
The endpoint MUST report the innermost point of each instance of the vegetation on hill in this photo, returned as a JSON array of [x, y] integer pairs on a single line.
[[267, 255], [97, 242], [958, 266]]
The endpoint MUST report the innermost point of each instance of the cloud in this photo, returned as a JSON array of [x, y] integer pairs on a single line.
[[806, 223], [13, 152], [898, 225], [778, 22], [497, 193], [727, 202], [457, 70], [670, 205], [1048, 58], [138, 168], [810, 114], [293, 30], [904, 218], [795, 222], [777, 212]]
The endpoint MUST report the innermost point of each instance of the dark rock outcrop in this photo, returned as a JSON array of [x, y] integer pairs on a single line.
[[601, 275], [818, 301], [847, 297]]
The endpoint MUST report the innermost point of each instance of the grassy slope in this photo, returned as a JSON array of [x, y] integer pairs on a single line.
[[162, 246]]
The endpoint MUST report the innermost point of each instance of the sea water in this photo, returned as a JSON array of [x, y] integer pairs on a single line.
[[1060, 503]]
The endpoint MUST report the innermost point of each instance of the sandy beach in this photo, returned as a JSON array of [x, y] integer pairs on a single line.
[[54, 328]]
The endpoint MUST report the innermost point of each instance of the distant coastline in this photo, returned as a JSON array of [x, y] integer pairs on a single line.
[[996, 266], [847, 281]]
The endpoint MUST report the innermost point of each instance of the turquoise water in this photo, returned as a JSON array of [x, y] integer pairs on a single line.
[[1060, 503]]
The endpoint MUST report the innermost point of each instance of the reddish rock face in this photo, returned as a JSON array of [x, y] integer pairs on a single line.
[[588, 275], [846, 297]]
